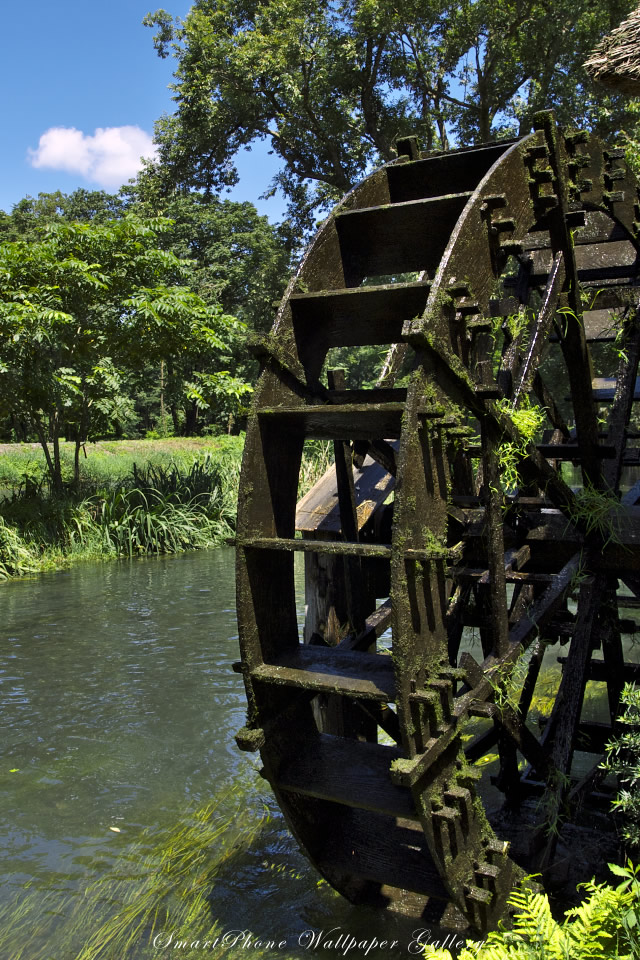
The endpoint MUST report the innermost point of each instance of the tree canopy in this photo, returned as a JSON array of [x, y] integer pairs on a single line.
[[332, 86], [87, 304]]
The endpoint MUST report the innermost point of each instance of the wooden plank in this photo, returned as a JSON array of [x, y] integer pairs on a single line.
[[540, 333], [337, 422], [559, 451], [343, 548], [600, 326], [546, 605], [444, 173], [604, 389], [610, 294], [597, 262], [513, 576], [357, 316], [560, 734], [318, 511], [379, 848], [592, 737], [330, 670], [597, 670], [632, 496], [494, 525], [368, 395], [339, 547], [398, 238], [355, 596], [375, 625], [571, 451], [407, 772], [351, 772], [598, 228]]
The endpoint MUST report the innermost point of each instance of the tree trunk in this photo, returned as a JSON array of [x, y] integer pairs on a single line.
[[55, 475], [162, 411], [57, 488], [191, 419], [76, 462]]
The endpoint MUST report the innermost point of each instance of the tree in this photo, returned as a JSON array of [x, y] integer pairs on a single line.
[[83, 305], [240, 260], [332, 86], [30, 216]]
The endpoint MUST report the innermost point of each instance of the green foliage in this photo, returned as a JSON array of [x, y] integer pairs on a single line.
[[623, 758], [507, 683], [603, 927], [81, 305], [239, 259], [30, 217], [529, 420], [234, 260], [595, 510], [331, 87]]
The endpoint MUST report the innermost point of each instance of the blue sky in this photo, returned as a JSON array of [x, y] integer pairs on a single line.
[[83, 87]]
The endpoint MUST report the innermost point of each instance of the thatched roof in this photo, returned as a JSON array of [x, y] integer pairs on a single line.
[[615, 62]]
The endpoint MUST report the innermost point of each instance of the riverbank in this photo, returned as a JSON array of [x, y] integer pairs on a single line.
[[135, 497]]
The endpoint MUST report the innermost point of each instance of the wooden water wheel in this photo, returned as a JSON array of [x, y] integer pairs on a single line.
[[503, 281]]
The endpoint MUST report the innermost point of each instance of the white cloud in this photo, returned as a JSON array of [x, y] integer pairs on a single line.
[[109, 158]]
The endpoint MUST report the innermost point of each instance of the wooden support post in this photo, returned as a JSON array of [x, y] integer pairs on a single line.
[[348, 518], [560, 734]]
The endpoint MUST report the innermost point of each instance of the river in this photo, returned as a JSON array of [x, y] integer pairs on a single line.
[[119, 707]]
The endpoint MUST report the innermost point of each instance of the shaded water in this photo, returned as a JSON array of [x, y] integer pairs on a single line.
[[119, 707]]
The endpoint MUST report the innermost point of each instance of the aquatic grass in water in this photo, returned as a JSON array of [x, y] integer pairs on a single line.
[[159, 886]]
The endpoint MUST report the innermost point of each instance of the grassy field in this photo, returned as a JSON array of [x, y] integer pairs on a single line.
[[135, 497], [107, 462]]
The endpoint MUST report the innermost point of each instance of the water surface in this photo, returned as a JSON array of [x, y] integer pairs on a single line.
[[119, 707]]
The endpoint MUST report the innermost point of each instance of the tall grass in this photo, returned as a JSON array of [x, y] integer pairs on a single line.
[[163, 506], [181, 497], [138, 521], [107, 463], [15, 556], [317, 457]]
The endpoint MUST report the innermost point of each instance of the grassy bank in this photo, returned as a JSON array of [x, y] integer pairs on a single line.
[[135, 497]]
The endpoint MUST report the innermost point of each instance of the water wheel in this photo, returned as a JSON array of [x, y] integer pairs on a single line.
[[503, 281]]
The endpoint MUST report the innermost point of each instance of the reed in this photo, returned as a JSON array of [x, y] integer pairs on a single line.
[[158, 507]]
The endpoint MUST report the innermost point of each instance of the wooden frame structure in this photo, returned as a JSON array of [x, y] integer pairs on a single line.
[[473, 268]]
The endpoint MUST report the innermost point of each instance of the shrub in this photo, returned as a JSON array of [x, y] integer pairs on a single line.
[[15, 556], [623, 758], [604, 926]]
